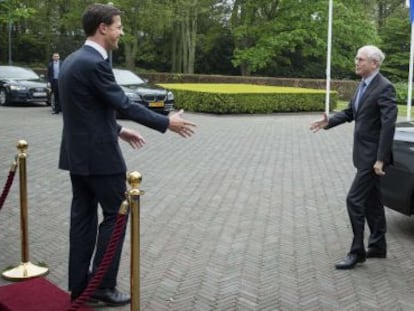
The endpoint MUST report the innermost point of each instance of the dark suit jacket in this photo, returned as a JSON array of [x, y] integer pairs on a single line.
[[89, 97], [374, 123], [50, 72]]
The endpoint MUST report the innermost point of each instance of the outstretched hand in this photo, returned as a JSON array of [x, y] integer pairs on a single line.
[[319, 124], [132, 137], [181, 126]]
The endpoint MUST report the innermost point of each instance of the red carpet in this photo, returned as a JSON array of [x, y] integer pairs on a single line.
[[35, 295]]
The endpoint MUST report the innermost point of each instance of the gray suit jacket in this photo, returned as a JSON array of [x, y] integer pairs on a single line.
[[374, 123], [89, 98]]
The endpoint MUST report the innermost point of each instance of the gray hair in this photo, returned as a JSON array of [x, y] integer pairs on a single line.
[[374, 53]]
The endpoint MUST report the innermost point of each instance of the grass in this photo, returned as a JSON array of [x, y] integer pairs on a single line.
[[402, 109]]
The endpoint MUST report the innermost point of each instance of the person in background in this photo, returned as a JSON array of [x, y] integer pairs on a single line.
[[53, 69], [90, 149], [374, 110]]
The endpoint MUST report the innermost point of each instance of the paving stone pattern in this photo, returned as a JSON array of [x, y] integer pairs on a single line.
[[249, 214]]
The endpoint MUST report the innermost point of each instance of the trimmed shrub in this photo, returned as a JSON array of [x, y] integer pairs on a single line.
[[402, 93], [247, 98]]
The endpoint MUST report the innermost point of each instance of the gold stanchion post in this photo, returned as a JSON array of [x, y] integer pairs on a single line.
[[134, 180], [26, 269]]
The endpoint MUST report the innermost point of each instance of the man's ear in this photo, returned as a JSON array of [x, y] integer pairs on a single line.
[[102, 28]]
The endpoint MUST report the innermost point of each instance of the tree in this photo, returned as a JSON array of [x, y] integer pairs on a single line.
[[290, 36], [261, 37], [184, 34], [14, 14], [395, 35], [143, 21]]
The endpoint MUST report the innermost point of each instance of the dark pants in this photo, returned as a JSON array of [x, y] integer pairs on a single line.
[[55, 90], [85, 235], [364, 202]]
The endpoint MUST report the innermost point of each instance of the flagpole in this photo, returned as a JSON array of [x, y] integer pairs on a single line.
[[328, 59], [410, 74]]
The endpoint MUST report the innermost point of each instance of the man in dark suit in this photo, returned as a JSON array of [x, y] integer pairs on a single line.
[[53, 69], [374, 110], [90, 150]]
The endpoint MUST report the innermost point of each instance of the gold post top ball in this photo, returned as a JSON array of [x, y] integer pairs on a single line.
[[134, 179], [22, 145]]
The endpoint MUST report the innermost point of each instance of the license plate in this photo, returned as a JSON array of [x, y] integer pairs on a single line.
[[39, 94], [156, 104]]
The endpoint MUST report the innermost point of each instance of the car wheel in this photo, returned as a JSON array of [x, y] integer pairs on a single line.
[[3, 97]]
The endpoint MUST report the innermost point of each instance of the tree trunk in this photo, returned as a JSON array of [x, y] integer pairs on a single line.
[[130, 52], [174, 45], [192, 38], [184, 42]]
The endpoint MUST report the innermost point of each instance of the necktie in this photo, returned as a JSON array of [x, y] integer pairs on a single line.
[[361, 90]]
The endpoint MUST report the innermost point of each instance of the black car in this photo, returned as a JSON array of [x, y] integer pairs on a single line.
[[398, 182], [141, 92], [22, 85]]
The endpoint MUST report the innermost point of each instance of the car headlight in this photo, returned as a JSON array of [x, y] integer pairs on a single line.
[[170, 95], [133, 96], [17, 87]]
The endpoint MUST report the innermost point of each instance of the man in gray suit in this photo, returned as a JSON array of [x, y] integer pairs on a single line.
[[374, 110], [90, 151]]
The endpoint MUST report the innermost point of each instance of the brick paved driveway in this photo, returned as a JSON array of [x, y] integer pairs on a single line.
[[249, 214]]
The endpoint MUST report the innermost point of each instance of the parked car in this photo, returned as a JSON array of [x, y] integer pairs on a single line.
[[398, 183], [22, 85], [143, 93]]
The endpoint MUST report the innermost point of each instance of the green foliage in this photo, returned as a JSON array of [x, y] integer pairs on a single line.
[[247, 101], [402, 93], [292, 40], [259, 37], [395, 36]]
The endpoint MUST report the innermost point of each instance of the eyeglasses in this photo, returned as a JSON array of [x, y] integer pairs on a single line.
[[360, 59]]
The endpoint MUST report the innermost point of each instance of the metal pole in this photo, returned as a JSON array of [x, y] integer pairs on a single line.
[[26, 269], [410, 74], [134, 179], [110, 52], [22, 146], [328, 60], [10, 28]]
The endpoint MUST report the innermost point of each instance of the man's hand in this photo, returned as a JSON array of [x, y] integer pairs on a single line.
[[132, 137], [181, 126], [319, 124], [378, 168]]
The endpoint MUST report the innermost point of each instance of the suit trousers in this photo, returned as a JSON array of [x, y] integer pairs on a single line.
[[86, 238], [55, 90], [364, 203]]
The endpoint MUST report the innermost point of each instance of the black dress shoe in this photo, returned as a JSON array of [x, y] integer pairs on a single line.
[[111, 297], [349, 261], [376, 253]]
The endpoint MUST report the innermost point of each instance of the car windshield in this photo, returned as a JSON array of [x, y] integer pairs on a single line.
[[17, 73], [126, 77]]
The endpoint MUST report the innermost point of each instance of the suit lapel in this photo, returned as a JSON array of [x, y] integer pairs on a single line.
[[371, 86]]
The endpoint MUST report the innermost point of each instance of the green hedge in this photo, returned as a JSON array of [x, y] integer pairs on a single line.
[[230, 98], [402, 93]]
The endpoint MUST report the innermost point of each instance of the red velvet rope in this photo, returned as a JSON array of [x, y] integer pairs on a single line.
[[103, 266], [8, 184]]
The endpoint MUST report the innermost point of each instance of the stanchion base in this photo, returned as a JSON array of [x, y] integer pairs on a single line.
[[24, 271]]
